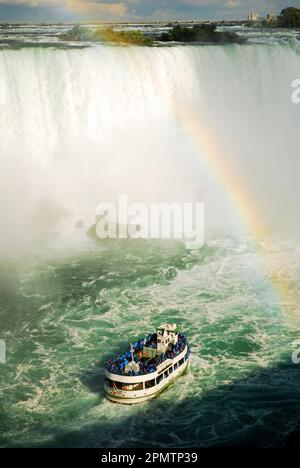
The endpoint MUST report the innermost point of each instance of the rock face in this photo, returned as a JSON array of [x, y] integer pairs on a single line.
[[79, 224], [201, 33], [80, 34], [206, 33], [48, 214]]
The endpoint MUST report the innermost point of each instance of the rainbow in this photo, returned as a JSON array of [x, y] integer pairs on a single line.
[[250, 214]]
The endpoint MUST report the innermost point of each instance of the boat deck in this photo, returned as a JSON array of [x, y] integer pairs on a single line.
[[147, 364]]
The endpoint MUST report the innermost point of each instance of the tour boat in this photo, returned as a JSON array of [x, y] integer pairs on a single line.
[[147, 367]]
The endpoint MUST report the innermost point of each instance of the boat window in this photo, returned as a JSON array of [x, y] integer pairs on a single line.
[[109, 382], [175, 365], [159, 378], [150, 383], [170, 370], [166, 373], [117, 385], [181, 362], [113, 384], [128, 387]]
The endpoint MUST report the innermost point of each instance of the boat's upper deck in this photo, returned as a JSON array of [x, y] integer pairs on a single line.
[[145, 356]]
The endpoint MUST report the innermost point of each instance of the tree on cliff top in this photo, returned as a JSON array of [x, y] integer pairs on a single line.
[[289, 18]]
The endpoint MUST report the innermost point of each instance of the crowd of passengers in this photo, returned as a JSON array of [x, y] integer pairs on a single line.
[[117, 366]]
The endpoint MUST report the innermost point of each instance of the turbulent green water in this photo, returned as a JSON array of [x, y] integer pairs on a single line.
[[62, 318]]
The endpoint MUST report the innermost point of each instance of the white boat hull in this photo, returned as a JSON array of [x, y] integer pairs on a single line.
[[133, 397]]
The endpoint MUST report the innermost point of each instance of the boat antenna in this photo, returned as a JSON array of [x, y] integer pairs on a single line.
[[131, 350]]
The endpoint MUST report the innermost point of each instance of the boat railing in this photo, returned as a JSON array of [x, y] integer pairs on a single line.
[[156, 359]]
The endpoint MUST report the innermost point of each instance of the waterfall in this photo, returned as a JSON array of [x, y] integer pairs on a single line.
[[79, 127]]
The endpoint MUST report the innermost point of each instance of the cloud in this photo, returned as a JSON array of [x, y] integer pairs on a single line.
[[98, 8], [82, 7], [138, 9]]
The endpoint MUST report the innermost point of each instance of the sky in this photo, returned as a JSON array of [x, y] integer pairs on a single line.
[[135, 10]]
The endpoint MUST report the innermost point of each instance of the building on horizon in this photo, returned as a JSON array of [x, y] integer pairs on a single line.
[[271, 17], [253, 17]]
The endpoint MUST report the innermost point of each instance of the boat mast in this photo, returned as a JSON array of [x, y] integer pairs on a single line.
[[131, 351]]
